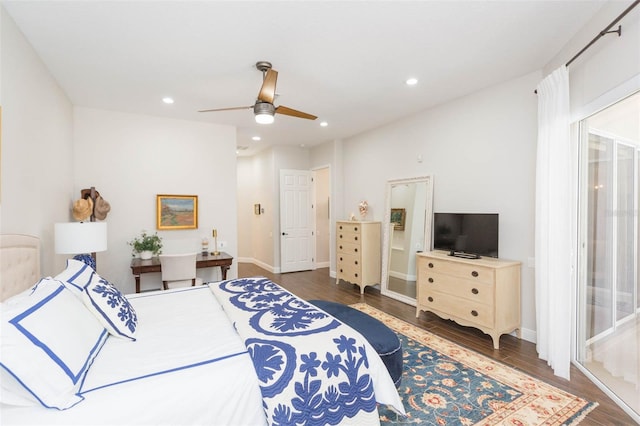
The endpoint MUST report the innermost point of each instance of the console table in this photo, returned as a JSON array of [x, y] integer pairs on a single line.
[[139, 266]]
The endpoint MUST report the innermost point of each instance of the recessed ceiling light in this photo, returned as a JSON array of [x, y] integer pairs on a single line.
[[324, 124], [256, 138], [167, 100], [412, 81]]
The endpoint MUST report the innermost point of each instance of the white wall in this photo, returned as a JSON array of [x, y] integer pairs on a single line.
[[37, 130], [130, 158], [255, 177], [322, 185], [246, 200], [329, 154], [609, 68], [481, 151]]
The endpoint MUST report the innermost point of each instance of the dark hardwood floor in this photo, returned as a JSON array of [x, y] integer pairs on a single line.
[[514, 352]]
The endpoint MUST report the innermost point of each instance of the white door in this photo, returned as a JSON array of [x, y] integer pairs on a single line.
[[296, 220]]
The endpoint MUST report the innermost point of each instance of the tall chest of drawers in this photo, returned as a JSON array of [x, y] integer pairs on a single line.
[[482, 293], [358, 253]]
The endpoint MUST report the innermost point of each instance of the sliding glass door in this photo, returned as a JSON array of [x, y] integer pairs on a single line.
[[609, 286]]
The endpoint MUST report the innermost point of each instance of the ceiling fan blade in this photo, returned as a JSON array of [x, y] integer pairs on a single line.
[[226, 109], [294, 113], [268, 89]]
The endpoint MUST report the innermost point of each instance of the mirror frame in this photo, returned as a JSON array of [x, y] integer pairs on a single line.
[[386, 249]]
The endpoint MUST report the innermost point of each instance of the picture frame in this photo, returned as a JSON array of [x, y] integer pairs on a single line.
[[176, 212], [256, 209], [398, 217]]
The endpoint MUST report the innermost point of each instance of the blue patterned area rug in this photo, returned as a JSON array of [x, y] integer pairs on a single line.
[[446, 384]]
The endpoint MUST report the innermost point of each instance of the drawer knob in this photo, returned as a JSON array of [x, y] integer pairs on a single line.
[[474, 291], [430, 265], [356, 262], [341, 270], [474, 274], [430, 299], [474, 313], [340, 227], [356, 229], [356, 250], [341, 259], [356, 275], [430, 280], [340, 236], [356, 238], [340, 247]]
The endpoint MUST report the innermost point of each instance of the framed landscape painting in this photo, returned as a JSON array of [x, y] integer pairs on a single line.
[[176, 211], [398, 217]]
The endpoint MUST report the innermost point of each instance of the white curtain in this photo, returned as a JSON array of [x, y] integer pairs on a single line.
[[553, 234]]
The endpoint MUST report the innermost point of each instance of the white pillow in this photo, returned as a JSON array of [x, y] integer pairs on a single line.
[[49, 340], [111, 307], [76, 276]]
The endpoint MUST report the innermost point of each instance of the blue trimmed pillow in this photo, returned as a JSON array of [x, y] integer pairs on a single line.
[[49, 340], [111, 307], [87, 259], [76, 276]]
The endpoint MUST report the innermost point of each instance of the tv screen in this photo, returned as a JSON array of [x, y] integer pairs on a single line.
[[466, 233]]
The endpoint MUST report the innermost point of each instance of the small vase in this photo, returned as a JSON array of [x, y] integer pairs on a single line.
[[146, 255]]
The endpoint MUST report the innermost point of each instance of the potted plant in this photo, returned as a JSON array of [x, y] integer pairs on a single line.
[[146, 245]]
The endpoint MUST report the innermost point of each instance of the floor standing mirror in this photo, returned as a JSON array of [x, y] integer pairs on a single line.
[[406, 230]]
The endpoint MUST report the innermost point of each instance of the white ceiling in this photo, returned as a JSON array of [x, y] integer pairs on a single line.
[[345, 62]]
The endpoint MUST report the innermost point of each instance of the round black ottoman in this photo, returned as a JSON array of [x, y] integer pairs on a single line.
[[381, 337]]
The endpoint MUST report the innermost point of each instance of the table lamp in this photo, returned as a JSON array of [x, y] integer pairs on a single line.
[[80, 237], [215, 251]]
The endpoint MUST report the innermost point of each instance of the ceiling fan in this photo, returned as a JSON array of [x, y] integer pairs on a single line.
[[263, 108]]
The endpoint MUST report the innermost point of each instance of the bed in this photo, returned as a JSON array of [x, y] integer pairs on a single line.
[[236, 352]]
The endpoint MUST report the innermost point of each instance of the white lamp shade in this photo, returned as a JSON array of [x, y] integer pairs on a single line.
[[80, 237]]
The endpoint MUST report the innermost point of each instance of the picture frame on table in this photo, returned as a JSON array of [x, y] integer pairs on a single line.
[[176, 212]]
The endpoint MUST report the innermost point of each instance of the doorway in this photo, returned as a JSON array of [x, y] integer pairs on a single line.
[[608, 314]]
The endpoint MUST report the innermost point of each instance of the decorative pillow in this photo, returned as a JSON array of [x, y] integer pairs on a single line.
[[76, 276], [87, 259], [49, 340], [111, 307]]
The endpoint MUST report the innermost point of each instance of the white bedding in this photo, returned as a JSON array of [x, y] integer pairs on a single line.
[[186, 366]]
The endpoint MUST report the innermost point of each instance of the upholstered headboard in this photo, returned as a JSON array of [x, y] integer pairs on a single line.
[[19, 263]]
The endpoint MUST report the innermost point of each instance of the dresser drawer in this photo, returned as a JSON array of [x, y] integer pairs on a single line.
[[348, 237], [348, 248], [476, 313], [474, 291], [350, 261], [458, 269], [346, 227], [350, 274]]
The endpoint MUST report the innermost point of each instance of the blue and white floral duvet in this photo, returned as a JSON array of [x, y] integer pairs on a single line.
[[312, 369]]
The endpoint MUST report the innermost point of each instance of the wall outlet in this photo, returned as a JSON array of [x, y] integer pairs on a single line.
[[222, 244]]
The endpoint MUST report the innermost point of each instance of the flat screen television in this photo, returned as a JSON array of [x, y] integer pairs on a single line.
[[466, 234]]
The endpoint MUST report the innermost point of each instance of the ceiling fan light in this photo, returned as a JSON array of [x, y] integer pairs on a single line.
[[264, 118], [264, 112]]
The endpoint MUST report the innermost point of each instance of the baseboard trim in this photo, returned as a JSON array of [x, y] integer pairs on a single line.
[[259, 263], [529, 335]]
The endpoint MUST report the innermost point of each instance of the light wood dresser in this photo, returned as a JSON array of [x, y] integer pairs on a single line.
[[358, 252], [482, 293]]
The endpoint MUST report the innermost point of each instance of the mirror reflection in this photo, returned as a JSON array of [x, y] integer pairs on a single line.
[[406, 231]]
